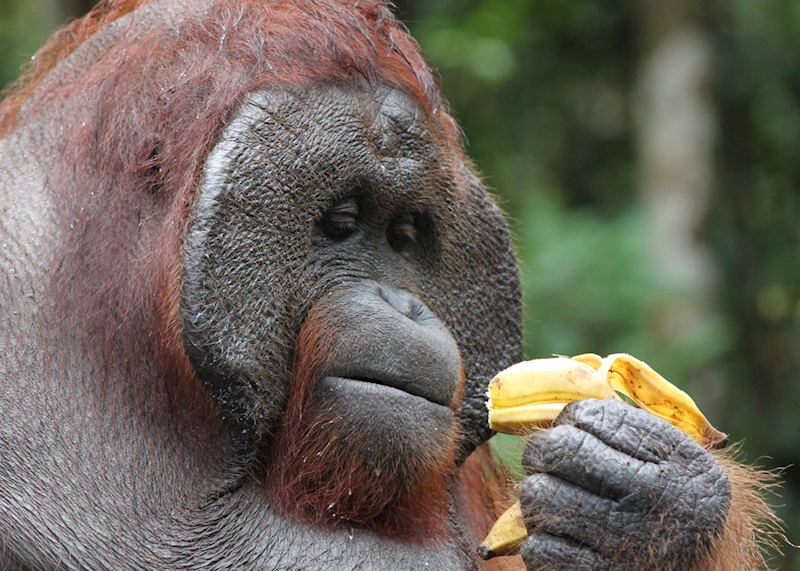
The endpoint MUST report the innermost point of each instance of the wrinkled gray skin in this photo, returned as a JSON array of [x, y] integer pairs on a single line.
[[338, 157], [87, 485], [614, 488]]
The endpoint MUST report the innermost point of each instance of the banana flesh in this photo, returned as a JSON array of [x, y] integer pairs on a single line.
[[531, 394], [520, 420]]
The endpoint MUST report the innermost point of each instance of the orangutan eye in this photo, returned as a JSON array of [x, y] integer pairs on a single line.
[[402, 233], [342, 220]]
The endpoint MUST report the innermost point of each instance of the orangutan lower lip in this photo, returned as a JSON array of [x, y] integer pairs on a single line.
[[372, 386]]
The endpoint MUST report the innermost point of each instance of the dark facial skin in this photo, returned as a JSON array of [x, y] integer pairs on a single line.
[[353, 186], [350, 185]]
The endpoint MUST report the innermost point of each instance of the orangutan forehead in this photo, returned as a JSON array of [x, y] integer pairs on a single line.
[[332, 132], [392, 120]]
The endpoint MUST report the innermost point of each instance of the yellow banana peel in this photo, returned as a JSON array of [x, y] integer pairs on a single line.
[[506, 534], [531, 394], [655, 394]]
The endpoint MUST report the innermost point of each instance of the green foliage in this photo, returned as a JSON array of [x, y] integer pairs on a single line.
[[590, 286], [23, 28]]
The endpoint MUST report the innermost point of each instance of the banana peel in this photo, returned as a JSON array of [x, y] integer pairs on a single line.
[[531, 394], [506, 534]]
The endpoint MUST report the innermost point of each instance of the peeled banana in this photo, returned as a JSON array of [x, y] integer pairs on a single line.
[[531, 394]]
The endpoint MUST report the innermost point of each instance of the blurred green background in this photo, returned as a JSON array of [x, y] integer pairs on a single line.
[[648, 155]]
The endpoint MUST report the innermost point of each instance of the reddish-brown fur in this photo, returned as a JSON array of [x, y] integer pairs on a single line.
[[150, 110], [156, 105], [753, 533], [486, 492], [317, 469]]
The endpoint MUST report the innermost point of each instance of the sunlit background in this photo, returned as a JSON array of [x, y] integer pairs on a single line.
[[648, 155]]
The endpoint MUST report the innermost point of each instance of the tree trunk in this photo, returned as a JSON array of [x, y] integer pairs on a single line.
[[676, 128]]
